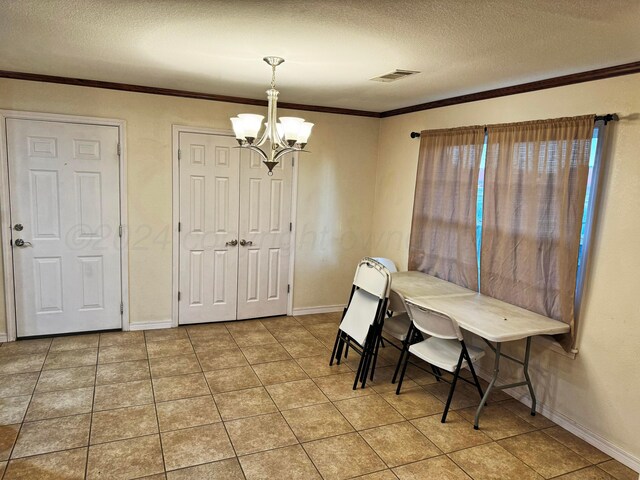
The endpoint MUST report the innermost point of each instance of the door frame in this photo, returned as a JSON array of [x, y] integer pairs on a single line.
[[176, 131], [5, 208]]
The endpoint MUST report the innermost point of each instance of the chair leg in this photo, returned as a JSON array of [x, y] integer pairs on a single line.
[[473, 372], [340, 347], [404, 369], [335, 349], [346, 350], [453, 387], [436, 372], [405, 349], [375, 355]]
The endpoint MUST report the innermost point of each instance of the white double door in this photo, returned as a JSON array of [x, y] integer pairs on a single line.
[[234, 231], [64, 187]]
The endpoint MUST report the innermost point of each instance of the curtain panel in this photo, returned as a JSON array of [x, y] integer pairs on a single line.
[[443, 230], [535, 183]]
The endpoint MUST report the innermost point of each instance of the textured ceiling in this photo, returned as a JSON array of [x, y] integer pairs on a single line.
[[332, 48]]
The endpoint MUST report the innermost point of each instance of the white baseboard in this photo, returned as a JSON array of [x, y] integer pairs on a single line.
[[323, 309], [168, 323], [522, 395], [3, 337]]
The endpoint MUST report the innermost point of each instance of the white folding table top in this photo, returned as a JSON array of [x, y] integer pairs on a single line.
[[491, 319]]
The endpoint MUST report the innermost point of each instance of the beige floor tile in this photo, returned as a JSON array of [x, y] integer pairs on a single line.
[[169, 366], [578, 445], [122, 423], [219, 341], [618, 470], [300, 393], [465, 395], [317, 421], [414, 403], [181, 386], [119, 395], [157, 476], [497, 422], [206, 330], [420, 372], [340, 387], [122, 372], [71, 358], [8, 435], [52, 435], [12, 409], [246, 326], [18, 384], [60, 404], [231, 379], [399, 444], [316, 319], [66, 465], [194, 446], [544, 454], [381, 475], [187, 412], [256, 434], [109, 339], [221, 359], [223, 470], [455, 434], [124, 459], [11, 363], [169, 348], [289, 463], [3, 466], [25, 347], [279, 372], [122, 353], [280, 323], [306, 348], [590, 473], [244, 403], [318, 366], [165, 334], [524, 412], [74, 342], [294, 334], [381, 382], [248, 338], [344, 456], [491, 461], [66, 379], [441, 468], [270, 352], [368, 412]]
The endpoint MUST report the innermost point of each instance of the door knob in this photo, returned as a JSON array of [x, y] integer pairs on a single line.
[[232, 243], [245, 243], [21, 243], [18, 227]]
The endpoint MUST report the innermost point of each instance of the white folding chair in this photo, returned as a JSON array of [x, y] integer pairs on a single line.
[[445, 347], [362, 319], [388, 263]]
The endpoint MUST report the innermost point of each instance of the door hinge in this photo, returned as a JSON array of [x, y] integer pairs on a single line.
[[179, 295], [119, 150], [288, 288], [121, 308], [293, 162], [290, 226], [179, 154], [120, 231], [179, 226]]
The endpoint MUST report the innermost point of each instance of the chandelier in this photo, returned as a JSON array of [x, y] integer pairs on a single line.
[[289, 134]]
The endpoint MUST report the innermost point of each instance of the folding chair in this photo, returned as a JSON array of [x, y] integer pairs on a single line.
[[363, 318], [445, 348]]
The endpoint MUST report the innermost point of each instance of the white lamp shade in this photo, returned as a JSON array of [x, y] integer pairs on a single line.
[[291, 126], [238, 127], [251, 124], [304, 132]]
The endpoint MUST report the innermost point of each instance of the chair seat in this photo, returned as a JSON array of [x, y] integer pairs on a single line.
[[443, 353], [397, 326]]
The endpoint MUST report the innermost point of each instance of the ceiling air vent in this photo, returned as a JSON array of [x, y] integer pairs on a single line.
[[393, 76]]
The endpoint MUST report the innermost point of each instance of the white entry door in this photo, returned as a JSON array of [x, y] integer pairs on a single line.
[[234, 232], [65, 218]]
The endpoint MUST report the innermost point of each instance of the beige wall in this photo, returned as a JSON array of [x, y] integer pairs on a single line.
[[335, 187], [600, 388]]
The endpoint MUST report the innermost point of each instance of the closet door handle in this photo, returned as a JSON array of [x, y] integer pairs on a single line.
[[245, 243], [232, 243]]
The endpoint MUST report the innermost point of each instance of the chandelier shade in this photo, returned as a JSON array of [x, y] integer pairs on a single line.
[[289, 134]]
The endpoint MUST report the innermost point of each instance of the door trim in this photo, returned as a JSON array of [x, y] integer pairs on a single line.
[[176, 131], [5, 208]]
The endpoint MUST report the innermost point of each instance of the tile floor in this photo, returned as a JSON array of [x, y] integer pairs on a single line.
[[257, 400]]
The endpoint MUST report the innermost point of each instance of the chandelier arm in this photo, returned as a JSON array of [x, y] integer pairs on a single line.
[[257, 150], [283, 152]]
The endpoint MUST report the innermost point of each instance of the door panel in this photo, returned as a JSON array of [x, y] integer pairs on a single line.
[[265, 213], [64, 187], [208, 268]]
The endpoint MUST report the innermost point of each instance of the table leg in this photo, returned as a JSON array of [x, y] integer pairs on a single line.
[[494, 378], [526, 376]]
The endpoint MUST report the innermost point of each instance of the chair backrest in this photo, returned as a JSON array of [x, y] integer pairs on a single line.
[[432, 322], [368, 301], [387, 263], [396, 302]]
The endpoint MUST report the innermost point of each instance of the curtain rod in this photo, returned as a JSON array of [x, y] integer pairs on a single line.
[[609, 117]]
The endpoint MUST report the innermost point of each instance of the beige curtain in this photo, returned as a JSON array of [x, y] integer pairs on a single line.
[[443, 231], [534, 188]]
